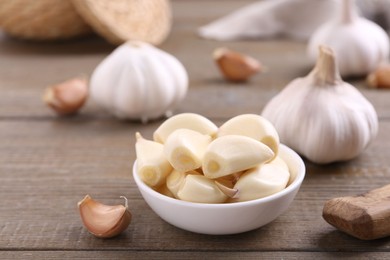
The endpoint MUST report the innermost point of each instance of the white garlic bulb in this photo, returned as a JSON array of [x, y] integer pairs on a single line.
[[322, 117], [139, 81], [359, 44]]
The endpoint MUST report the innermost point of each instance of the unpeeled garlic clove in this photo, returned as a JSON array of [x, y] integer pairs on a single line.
[[235, 66], [380, 78], [190, 121], [152, 166], [185, 148], [261, 181], [198, 188], [254, 126], [234, 153], [102, 220], [67, 97]]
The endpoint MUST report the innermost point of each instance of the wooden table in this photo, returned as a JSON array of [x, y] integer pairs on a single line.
[[48, 164]]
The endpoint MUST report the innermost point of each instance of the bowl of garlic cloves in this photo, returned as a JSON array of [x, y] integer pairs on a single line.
[[217, 180]]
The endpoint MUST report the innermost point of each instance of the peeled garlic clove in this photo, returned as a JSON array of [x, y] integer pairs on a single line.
[[67, 97], [261, 181], [103, 220], [235, 66], [198, 188], [188, 121], [163, 189], [152, 166], [380, 78], [176, 179], [279, 162], [185, 148], [233, 153], [254, 126]]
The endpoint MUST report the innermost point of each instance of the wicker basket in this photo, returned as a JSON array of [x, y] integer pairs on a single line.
[[122, 20], [41, 19], [116, 20]]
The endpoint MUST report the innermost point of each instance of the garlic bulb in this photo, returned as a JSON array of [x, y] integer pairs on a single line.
[[359, 44], [139, 81], [271, 18], [322, 117]]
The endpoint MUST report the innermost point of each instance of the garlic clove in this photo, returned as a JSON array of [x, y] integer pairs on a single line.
[[67, 97], [198, 188], [176, 179], [102, 220], [235, 66], [184, 149], [254, 126], [185, 120], [234, 153], [260, 182], [164, 190], [152, 166], [380, 78], [279, 162]]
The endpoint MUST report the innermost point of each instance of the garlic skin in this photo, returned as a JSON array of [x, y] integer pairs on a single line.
[[139, 81], [322, 117], [102, 220], [359, 44]]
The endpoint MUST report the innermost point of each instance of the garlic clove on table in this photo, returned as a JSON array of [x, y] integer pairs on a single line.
[[322, 117], [103, 220], [67, 97], [235, 66], [234, 153], [359, 44], [152, 165]]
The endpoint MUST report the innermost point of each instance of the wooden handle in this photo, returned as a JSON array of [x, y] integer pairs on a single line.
[[364, 216]]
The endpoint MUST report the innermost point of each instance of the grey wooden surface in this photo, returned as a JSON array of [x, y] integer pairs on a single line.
[[47, 164]]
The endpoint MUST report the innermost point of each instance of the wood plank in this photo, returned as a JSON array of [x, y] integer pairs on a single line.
[[188, 255], [47, 166]]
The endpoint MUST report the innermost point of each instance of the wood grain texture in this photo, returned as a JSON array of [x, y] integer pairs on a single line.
[[47, 164]]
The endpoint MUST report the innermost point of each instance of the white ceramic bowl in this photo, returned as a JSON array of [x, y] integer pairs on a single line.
[[229, 218]]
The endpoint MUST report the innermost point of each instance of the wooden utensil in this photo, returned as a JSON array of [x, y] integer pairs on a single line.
[[365, 216]]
